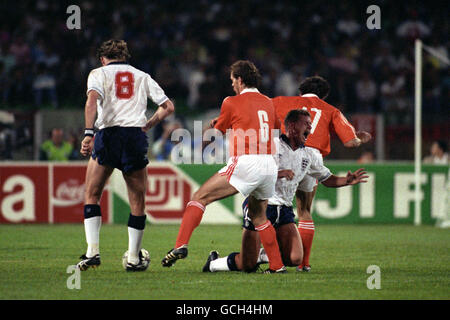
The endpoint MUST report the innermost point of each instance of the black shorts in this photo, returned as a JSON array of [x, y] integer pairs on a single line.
[[278, 216], [124, 148]]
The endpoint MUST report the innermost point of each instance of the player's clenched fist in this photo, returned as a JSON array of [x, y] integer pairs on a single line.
[[288, 174], [86, 146]]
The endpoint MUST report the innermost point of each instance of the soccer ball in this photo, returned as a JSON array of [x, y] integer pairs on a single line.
[[143, 255]]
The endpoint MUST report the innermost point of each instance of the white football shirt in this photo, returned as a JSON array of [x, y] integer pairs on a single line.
[[303, 161], [123, 92]]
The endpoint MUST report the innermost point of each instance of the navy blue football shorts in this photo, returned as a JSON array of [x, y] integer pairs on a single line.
[[278, 216], [124, 148]]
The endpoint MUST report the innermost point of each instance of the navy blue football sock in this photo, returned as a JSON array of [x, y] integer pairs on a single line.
[[231, 261], [137, 222], [92, 210]]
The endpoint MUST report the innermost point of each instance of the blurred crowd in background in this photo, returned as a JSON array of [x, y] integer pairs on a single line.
[[187, 47]]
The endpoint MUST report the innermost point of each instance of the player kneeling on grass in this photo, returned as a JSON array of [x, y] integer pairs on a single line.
[[295, 161], [326, 119], [119, 93]]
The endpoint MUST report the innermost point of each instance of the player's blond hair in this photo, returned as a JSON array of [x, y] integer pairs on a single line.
[[114, 50]]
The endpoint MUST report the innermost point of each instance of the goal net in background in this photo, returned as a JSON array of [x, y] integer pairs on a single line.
[[443, 213]]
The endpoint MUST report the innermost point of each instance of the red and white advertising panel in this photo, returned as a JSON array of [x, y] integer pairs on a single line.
[[24, 194], [44, 193], [167, 193]]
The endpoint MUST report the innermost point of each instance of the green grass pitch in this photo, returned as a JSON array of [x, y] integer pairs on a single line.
[[414, 263]]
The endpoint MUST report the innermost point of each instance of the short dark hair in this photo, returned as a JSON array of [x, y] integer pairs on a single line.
[[114, 49], [294, 115], [316, 85], [247, 71]]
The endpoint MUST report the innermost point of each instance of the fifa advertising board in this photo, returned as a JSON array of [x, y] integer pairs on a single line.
[[45, 192]]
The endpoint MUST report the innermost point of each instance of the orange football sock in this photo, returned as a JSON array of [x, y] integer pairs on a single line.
[[306, 230], [191, 219], [268, 238]]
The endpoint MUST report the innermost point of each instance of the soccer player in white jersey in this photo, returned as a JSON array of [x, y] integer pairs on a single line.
[[117, 93], [295, 162]]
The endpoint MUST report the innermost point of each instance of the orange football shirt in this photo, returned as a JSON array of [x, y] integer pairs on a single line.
[[251, 118], [324, 117]]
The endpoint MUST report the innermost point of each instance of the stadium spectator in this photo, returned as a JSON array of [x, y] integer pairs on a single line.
[[286, 84], [48, 57], [18, 87], [344, 60], [438, 153], [389, 91], [348, 25], [21, 51], [3, 82], [75, 143], [44, 83], [55, 148], [6, 142], [195, 77], [162, 147], [7, 57], [7, 135], [366, 92], [384, 56], [366, 156]]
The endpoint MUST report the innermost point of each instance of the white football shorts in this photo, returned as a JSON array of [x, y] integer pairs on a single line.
[[252, 174]]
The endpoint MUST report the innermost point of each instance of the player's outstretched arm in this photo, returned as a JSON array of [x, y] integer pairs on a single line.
[[352, 178], [163, 111]]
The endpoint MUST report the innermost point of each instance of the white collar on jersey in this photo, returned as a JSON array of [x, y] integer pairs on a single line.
[[307, 95], [249, 90]]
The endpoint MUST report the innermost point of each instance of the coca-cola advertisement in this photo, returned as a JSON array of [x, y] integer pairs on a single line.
[[68, 194]]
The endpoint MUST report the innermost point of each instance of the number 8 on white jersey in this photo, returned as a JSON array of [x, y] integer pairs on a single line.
[[123, 91]]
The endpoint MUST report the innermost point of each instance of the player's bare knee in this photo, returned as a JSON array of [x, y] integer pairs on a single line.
[[92, 195], [292, 260], [249, 267], [296, 260], [201, 197]]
